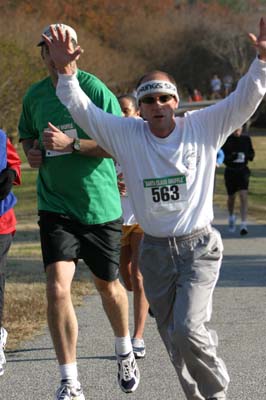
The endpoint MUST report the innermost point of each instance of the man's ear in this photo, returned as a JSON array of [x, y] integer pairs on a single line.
[[177, 104]]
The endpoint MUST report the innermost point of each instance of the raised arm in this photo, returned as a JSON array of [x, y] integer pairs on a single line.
[[259, 42], [219, 120]]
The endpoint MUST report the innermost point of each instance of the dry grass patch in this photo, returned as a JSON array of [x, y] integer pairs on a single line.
[[25, 311], [25, 308], [25, 294]]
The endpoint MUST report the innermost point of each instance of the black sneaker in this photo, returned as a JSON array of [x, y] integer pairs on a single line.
[[128, 372]]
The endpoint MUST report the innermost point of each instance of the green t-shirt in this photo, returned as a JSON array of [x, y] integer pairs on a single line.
[[82, 187]]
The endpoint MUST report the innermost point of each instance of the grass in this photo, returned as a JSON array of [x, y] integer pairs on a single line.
[[25, 308]]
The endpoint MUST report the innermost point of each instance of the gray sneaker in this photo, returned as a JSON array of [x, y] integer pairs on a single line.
[[3, 339], [232, 223], [69, 392]]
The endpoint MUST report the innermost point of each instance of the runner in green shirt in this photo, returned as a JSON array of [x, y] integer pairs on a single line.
[[79, 217]]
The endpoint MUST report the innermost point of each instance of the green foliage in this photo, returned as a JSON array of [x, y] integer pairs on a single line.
[[237, 5]]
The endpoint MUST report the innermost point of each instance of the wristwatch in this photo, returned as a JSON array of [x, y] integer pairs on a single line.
[[76, 144]]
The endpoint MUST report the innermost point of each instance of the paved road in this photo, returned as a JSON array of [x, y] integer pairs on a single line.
[[239, 318]]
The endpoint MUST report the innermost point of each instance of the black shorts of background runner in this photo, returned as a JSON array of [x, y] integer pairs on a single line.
[[236, 179], [65, 239]]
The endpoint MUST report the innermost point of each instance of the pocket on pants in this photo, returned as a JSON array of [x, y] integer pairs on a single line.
[[209, 247]]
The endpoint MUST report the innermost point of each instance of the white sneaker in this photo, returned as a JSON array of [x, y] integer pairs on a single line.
[[138, 348], [232, 223], [128, 372], [3, 339], [69, 392]]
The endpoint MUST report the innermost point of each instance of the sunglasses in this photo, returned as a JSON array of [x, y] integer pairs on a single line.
[[164, 98]]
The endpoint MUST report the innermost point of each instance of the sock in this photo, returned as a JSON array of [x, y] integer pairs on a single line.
[[123, 345], [137, 342], [69, 372]]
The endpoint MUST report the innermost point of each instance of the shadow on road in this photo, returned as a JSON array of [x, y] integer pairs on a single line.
[[238, 271], [254, 231]]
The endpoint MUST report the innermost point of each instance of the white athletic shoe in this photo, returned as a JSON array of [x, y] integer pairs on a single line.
[[69, 392], [128, 372], [3, 339], [138, 348]]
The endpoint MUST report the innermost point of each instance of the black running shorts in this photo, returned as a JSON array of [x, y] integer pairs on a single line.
[[236, 179], [65, 239]]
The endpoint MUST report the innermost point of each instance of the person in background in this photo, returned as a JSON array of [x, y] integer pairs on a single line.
[[227, 84], [130, 243], [216, 87], [196, 96], [79, 217], [10, 174], [238, 151], [168, 164]]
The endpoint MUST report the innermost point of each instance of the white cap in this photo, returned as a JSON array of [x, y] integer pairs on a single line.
[[64, 28]]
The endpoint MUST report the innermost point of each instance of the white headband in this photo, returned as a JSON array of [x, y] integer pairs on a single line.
[[155, 86]]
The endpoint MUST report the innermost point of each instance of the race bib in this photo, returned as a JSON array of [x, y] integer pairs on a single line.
[[167, 194], [240, 158], [52, 153]]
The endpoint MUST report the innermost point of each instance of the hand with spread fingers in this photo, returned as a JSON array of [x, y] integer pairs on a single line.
[[260, 42], [61, 50]]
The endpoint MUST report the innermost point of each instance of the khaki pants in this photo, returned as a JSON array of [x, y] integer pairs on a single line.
[[180, 274]]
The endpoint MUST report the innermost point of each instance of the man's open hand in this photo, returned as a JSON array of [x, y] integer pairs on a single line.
[[260, 42], [61, 50]]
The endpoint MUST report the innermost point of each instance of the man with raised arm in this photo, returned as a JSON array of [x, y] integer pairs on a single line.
[[169, 164]]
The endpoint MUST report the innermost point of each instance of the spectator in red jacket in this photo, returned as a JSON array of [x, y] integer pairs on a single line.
[[10, 174]]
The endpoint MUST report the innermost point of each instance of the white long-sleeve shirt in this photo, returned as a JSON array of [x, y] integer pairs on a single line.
[[170, 180]]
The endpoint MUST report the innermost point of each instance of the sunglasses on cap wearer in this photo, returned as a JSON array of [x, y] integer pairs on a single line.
[[164, 98]]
